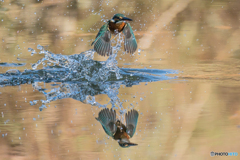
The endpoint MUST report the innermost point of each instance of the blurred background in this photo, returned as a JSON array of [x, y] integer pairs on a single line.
[[185, 118]]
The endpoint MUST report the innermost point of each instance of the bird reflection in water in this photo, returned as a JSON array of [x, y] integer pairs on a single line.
[[116, 129]]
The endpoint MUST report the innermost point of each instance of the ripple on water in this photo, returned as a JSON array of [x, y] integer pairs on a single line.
[[12, 64]]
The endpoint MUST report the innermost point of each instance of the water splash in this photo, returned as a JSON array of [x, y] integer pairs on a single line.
[[81, 91], [82, 65], [81, 77], [85, 91]]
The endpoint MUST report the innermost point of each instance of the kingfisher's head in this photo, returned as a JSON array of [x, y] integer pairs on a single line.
[[119, 18]]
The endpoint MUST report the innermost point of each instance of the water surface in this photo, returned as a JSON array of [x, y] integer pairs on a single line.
[[183, 80]]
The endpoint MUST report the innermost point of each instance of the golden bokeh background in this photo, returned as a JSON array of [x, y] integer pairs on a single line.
[[185, 118]]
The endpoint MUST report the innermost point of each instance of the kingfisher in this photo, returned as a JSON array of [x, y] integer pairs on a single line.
[[116, 129], [118, 24]]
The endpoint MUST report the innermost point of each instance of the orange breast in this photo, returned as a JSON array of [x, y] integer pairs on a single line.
[[125, 134], [114, 26], [120, 28]]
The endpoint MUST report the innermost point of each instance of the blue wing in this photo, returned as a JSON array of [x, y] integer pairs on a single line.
[[130, 43], [102, 43], [131, 122], [107, 118]]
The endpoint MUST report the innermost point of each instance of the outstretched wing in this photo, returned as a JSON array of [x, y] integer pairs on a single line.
[[131, 121], [107, 118], [130, 43], [102, 43]]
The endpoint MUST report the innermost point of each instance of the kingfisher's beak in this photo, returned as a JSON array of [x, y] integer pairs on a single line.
[[126, 19], [132, 144]]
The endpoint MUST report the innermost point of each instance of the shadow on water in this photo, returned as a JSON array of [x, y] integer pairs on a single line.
[[80, 77]]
